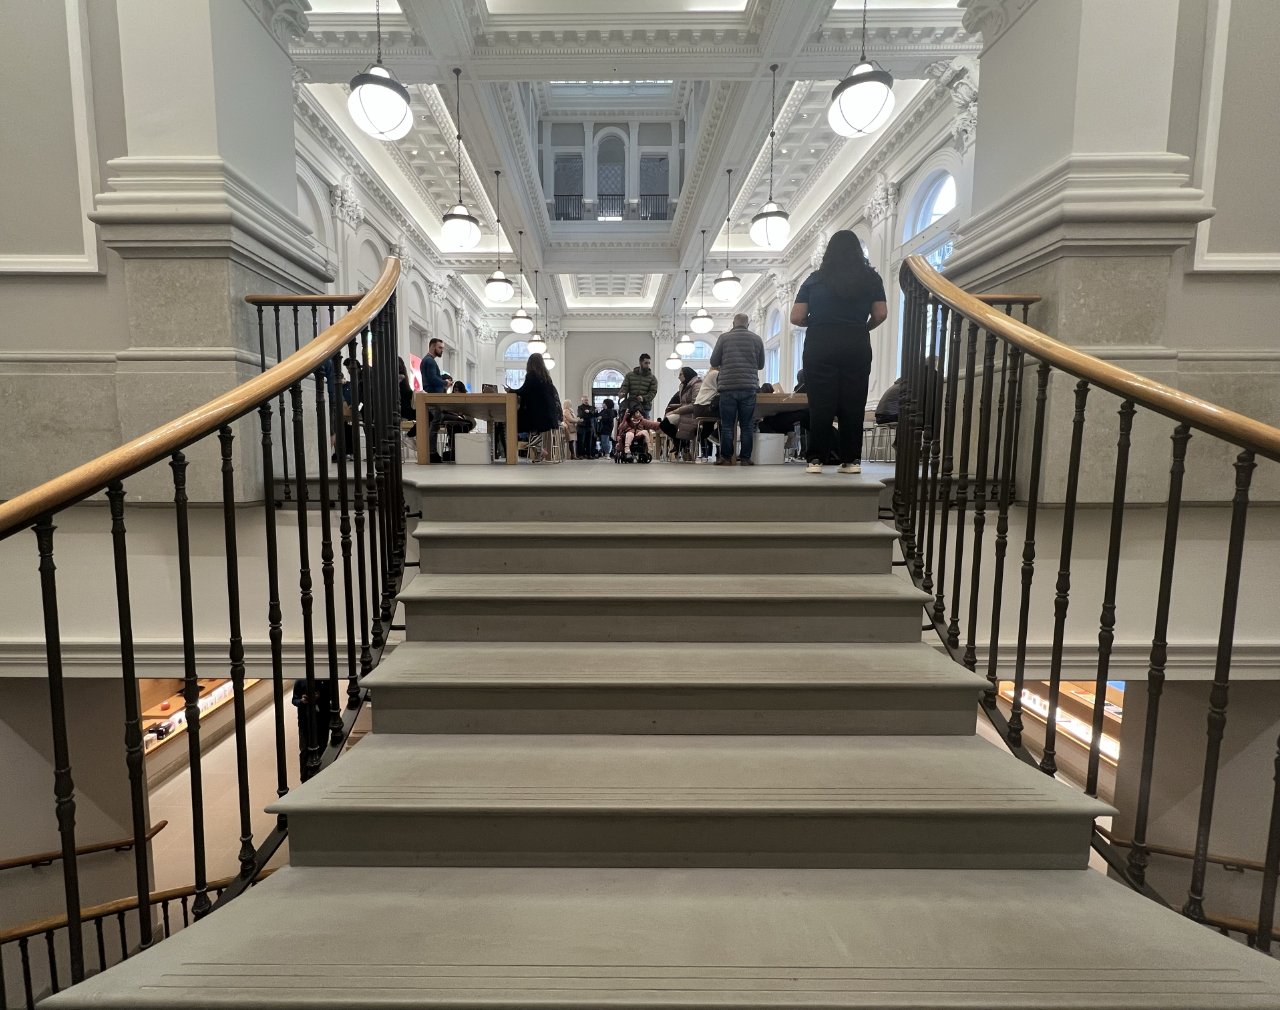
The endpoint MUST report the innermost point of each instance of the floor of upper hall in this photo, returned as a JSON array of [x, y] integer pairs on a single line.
[[605, 473]]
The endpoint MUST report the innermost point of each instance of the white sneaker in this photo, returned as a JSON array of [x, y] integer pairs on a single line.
[[814, 467], [849, 468]]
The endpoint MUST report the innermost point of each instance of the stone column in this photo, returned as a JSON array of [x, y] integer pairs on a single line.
[[202, 208], [589, 164], [882, 215], [673, 163], [633, 162]]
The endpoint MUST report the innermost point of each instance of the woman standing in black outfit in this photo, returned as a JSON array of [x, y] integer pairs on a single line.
[[538, 410], [841, 303]]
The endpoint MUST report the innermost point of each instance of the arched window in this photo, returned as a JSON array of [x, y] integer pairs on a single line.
[[936, 202], [701, 351], [606, 384], [773, 347], [611, 178], [515, 357]]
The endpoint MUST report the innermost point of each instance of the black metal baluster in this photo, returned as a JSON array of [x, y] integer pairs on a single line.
[[186, 918], [910, 292], [164, 913], [397, 462], [1139, 857], [190, 682], [1062, 588], [1028, 555], [310, 744], [371, 415], [1270, 867], [235, 650], [284, 431], [1012, 365], [980, 497], [51, 955], [922, 423], [906, 428], [102, 943], [1001, 429], [124, 936], [948, 456], [932, 436], [262, 341], [359, 486], [1107, 619], [24, 953], [344, 536], [63, 785], [1218, 693], [275, 629], [132, 715], [962, 484], [387, 437], [326, 551]]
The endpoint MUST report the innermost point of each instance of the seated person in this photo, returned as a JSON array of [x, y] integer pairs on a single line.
[[634, 425], [887, 408], [538, 409], [680, 422]]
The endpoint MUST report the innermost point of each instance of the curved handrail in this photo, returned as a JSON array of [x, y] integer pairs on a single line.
[[1246, 432], [52, 856], [88, 478]]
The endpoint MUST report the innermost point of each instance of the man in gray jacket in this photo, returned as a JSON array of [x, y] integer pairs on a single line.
[[739, 355]]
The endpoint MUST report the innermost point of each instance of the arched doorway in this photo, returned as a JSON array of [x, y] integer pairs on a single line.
[[605, 384]]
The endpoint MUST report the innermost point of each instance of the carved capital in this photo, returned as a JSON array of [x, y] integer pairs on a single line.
[[286, 20], [404, 253], [346, 202], [992, 18], [960, 78], [435, 293], [884, 200]]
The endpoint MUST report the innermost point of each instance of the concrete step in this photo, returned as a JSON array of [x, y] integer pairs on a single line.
[[640, 608], [699, 687], [581, 939], [749, 548], [800, 801], [660, 493]]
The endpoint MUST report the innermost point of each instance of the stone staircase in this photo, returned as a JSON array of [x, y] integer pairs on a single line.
[[669, 737]]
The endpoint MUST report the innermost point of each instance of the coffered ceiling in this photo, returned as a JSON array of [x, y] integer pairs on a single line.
[[703, 61]]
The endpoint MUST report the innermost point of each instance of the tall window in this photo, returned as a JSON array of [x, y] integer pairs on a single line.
[[701, 351], [606, 384], [938, 201], [611, 169], [514, 359], [797, 348], [773, 348]]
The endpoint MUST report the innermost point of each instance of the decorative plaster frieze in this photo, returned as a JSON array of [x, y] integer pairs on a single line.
[[992, 18], [436, 292], [884, 200], [286, 20], [346, 202], [404, 252], [960, 77]]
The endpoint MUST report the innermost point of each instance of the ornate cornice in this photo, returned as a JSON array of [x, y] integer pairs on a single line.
[[960, 78], [992, 18], [712, 118], [345, 202], [884, 199], [286, 20]]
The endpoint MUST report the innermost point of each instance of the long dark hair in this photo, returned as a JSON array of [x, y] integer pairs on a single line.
[[537, 368], [844, 265]]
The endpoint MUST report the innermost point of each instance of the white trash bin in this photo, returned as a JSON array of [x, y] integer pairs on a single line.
[[472, 447], [769, 449]]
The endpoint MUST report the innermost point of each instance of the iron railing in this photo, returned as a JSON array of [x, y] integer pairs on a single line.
[[337, 452], [979, 440], [611, 205], [569, 207], [653, 207]]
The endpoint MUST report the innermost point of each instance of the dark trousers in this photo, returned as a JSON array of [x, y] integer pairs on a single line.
[[737, 405], [837, 369]]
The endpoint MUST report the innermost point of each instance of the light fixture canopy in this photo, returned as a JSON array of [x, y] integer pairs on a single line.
[[379, 103], [460, 229], [498, 288], [728, 285], [863, 102], [771, 228]]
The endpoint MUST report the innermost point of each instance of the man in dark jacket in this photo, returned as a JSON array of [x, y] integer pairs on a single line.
[[640, 384], [586, 429], [739, 357]]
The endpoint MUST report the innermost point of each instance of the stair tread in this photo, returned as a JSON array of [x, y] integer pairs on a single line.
[[427, 587], [703, 479], [642, 938], [907, 665], [938, 776], [872, 530]]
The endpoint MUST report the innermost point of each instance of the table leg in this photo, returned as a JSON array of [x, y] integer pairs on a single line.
[[513, 436], [423, 436]]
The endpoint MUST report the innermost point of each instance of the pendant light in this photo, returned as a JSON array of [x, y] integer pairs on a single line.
[[521, 321], [772, 226], [673, 360], [547, 359], [536, 343], [379, 103], [684, 346], [460, 230], [727, 286], [702, 321], [498, 288], [863, 101]]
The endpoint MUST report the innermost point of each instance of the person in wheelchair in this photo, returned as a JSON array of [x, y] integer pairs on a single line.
[[633, 437]]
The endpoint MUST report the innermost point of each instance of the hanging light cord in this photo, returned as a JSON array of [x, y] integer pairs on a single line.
[[728, 218], [863, 57], [704, 269], [497, 212], [521, 269], [773, 117], [377, 20], [686, 292], [457, 78]]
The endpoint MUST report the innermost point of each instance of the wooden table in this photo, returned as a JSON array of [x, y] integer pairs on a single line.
[[492, 407], [768, 404]]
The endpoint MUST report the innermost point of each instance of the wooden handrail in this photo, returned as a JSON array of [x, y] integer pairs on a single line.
[[285, 300], [40, 926], [46, 858], [1228, 862], [91, 477], [1245, 432]]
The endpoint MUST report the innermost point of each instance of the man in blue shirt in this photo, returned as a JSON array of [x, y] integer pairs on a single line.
[[432, 380]]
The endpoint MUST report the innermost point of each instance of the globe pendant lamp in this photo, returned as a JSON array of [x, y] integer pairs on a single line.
[[702, 321], [498, 288], [684, 346], [460, 229], [537, 343], [728, 285], [521, 321], [863, 102], [772, 226], [378, 103]]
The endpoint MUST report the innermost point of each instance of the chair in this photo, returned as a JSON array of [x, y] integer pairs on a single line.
[[878, 442]]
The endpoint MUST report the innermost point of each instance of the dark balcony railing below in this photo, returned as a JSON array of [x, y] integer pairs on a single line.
[[654, 207], [611, 205], [569, 207]]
